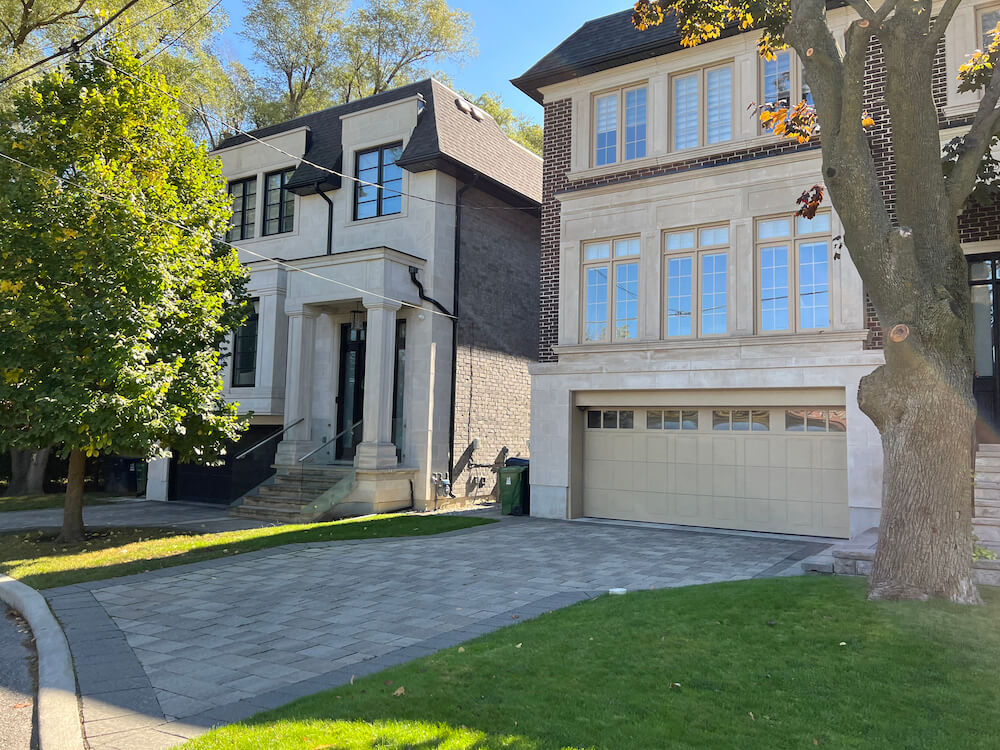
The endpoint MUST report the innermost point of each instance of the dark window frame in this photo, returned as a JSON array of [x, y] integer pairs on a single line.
[[241, 339], [285, 197], [246, 230], [380, 197]]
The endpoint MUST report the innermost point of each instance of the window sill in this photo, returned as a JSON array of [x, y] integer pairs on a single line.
[[797, 339]]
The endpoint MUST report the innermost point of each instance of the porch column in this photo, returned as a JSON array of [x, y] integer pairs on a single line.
[[298, 385], [377, 450]]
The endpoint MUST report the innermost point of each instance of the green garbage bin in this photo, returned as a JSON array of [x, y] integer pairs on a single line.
[[514, 489]]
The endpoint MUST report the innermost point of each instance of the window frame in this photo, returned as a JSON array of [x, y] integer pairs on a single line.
[[243, 234], [702, 73], [236, 349], [794, 242], [283, 176], [620, 92], [796, 82], [612, 262], [380, 198], [696, 254]]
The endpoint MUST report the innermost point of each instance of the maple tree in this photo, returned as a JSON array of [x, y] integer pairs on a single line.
[[906, 248]]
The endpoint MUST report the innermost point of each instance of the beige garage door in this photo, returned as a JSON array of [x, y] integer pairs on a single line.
[[760, 469]]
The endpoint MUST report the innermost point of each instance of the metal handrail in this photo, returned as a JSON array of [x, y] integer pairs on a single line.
[[269, 438], [352, 428]]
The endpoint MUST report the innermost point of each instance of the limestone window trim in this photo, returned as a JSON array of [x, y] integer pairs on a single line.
[[286, 204], [619, 259], [701, 77], [619, 95], [377, 174], [246, 211], [701, 246], [246, 338], [792, 244]]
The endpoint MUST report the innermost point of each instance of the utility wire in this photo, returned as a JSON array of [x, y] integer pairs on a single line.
[[195, 232], [300, 159], [180, 36]]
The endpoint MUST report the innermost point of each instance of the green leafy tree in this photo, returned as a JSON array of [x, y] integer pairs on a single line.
[[908, 253], [111, 315], [518, 128]]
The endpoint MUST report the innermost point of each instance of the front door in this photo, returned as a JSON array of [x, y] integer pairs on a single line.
[[984, 275], [351, 394]]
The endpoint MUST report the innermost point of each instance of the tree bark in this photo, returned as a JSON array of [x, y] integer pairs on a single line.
[[27, 471], [72, 528]]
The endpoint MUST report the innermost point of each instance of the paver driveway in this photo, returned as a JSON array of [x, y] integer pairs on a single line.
[[164, 655]]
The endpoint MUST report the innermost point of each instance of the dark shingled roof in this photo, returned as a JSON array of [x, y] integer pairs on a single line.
[[445, 138]]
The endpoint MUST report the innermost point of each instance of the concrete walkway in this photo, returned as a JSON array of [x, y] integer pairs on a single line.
[[200, 518], [165, 655], [17, 691]]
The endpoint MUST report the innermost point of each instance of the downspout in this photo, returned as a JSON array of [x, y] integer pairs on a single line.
[[454, 327], [329, 219]]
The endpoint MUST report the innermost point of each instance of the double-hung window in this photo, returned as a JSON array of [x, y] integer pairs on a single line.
[[701, 106], [244, 196], [783, 80], [380, 186], [245, 349], [697, 282], [620, 125], [793, 257], [986, 21], [279, 203], [611, 290]]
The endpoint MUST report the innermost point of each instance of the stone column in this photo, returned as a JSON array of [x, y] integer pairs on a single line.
[[298, 385], [377, 450]]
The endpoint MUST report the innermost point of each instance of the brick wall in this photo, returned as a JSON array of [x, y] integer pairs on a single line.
[[558, 118]]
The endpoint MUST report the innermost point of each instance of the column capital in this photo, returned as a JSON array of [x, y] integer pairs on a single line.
[[298, 310], [379, 303]]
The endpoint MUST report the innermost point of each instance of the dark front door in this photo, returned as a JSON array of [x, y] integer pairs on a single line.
[[984, 276], [351, 394]]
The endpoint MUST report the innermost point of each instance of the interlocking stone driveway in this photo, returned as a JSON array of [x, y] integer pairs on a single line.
[[165, 655]]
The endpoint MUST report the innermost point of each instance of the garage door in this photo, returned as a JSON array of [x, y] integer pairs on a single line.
[[760, 469]]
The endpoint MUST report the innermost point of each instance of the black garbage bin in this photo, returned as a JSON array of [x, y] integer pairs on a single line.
[[120, 475]]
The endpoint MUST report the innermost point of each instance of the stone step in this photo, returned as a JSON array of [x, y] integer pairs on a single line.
[[987, 529], [990, 448], [986, 494], [274, 490], [986, 511], [279, 501], [320, 485], [312, 470], [987, 463], [262, 513], [986, 484]]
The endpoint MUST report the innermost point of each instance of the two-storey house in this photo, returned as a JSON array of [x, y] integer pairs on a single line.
[[392, 246], [701, 346]]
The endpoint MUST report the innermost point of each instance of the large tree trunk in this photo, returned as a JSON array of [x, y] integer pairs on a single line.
[[27, 471], [72, 528]]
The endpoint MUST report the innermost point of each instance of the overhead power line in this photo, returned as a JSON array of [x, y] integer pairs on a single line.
[[189, 230]]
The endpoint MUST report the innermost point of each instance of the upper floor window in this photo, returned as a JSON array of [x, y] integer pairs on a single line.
[[279, 203], [245, 349], [611, 290], [377, 167], [793, 256], [696, 263], [701, 102], [783, 80], [611, 139], [244, 197], [987, 20]]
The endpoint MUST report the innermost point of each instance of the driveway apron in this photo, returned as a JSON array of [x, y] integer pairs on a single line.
[[165, 655]]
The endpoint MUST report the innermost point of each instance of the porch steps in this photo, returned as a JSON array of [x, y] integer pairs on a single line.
[[288, 499], [986, 496]]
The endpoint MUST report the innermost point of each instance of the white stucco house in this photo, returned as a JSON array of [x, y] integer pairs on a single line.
[[701, 346], [393, 326]]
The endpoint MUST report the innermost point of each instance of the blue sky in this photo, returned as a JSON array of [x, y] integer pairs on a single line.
[[512, 34]]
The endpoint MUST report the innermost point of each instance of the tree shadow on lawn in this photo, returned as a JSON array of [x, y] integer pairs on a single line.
[[760, 665], [36, 559]]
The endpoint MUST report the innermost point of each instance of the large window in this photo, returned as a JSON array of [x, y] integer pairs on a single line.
[[793, 256], [987, 20], [782, 80], [244, 197], [701, 105], [620, 125], [245, 350], [697, 281], [279, 203], [377, 167], [611, 290]]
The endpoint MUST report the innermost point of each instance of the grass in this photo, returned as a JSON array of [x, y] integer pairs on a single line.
[[754, 665], [35, 558], [43, 502]]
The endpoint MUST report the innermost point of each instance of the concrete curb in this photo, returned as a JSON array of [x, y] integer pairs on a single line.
[[58, 708]]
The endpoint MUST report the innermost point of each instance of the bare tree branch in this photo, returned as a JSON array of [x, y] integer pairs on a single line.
[[862, 8], [941, 23]]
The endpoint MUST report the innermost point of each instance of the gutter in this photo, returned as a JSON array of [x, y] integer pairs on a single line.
[[329, 219]]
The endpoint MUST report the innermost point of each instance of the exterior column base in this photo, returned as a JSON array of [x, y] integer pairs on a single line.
[[290, 451], [375, 456]]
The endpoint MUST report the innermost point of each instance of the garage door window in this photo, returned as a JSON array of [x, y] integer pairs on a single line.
[[672, 419], [696, 296], [610, 419], [815, 420], [741, 420]]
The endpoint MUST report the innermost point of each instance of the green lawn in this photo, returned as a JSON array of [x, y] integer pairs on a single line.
[[755, 665], [37, 560], [42, 502]]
